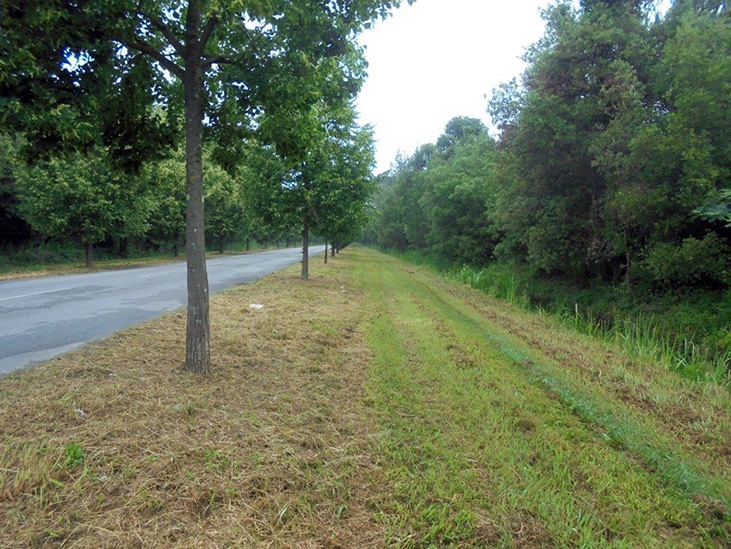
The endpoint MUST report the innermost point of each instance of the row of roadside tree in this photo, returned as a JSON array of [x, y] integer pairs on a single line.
[[114, 92], [79, 199]]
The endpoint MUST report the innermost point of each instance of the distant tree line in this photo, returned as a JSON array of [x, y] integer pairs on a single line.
[[613, 160], [79, 199]]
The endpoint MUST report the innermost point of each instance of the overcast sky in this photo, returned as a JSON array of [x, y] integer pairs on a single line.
[[437, 59]]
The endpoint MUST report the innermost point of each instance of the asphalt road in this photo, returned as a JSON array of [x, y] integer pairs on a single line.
[[41, 318]]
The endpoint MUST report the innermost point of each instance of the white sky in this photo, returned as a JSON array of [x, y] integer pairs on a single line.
[[437, 59]]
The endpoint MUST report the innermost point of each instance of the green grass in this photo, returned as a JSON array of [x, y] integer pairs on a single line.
[[687, 334], [490, 444]]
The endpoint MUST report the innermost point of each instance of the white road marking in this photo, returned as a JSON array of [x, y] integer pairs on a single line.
[[37, 293], [153, 275]]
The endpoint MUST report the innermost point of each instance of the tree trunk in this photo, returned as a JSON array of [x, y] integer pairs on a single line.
[[123, 247], [326, 251], [305, 249], [629, 262], [197, 342], [248, 244], [221, 246], [89, 256]]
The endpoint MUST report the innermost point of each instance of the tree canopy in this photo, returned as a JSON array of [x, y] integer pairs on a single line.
[[612, 160]]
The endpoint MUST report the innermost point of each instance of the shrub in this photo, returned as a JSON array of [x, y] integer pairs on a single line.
[[691, 262]]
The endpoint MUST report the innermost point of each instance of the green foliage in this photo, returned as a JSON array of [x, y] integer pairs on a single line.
[[718, 207], [13, 228], [224, 208], [693, 262], [442, 198], [460, 191], [319, 176], [80, 198], [166, 183]]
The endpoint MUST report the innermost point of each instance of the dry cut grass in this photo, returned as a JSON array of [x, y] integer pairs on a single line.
[[116, 446]]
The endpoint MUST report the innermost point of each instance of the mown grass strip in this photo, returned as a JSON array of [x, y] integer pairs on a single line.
[[620, 427], [482, 454], [626, 432], [116, 445]]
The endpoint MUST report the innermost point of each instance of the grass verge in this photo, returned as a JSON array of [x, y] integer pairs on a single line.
[[375, 405], [55, 259]]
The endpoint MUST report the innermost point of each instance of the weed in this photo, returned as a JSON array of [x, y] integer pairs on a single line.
[[74, 454]]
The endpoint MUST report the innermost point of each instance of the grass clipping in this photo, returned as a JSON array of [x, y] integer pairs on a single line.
[[117, 446]]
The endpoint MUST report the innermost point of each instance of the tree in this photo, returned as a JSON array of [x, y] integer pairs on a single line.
[[442, 199], [460, 193], [345, 208], [14, 230], [232, 60], [224, 207], [80, 198], [312, 144], [614, 154], [584, 98], [167, 218]]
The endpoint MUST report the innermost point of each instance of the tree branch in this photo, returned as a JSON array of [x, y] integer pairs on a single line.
[[165, 30], [208, 30], [209, 60], [147, 49]]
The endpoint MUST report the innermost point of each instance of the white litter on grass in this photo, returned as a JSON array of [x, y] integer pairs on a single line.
[[256, 306]]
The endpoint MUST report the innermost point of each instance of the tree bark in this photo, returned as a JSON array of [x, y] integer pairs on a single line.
[[197, 343], [305, 249]]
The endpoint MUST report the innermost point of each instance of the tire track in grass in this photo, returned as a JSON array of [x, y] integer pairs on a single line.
[[614, 419], [618, 426], [480, 452]]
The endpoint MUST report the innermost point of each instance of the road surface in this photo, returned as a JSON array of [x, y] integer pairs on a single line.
[[41, 318]]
